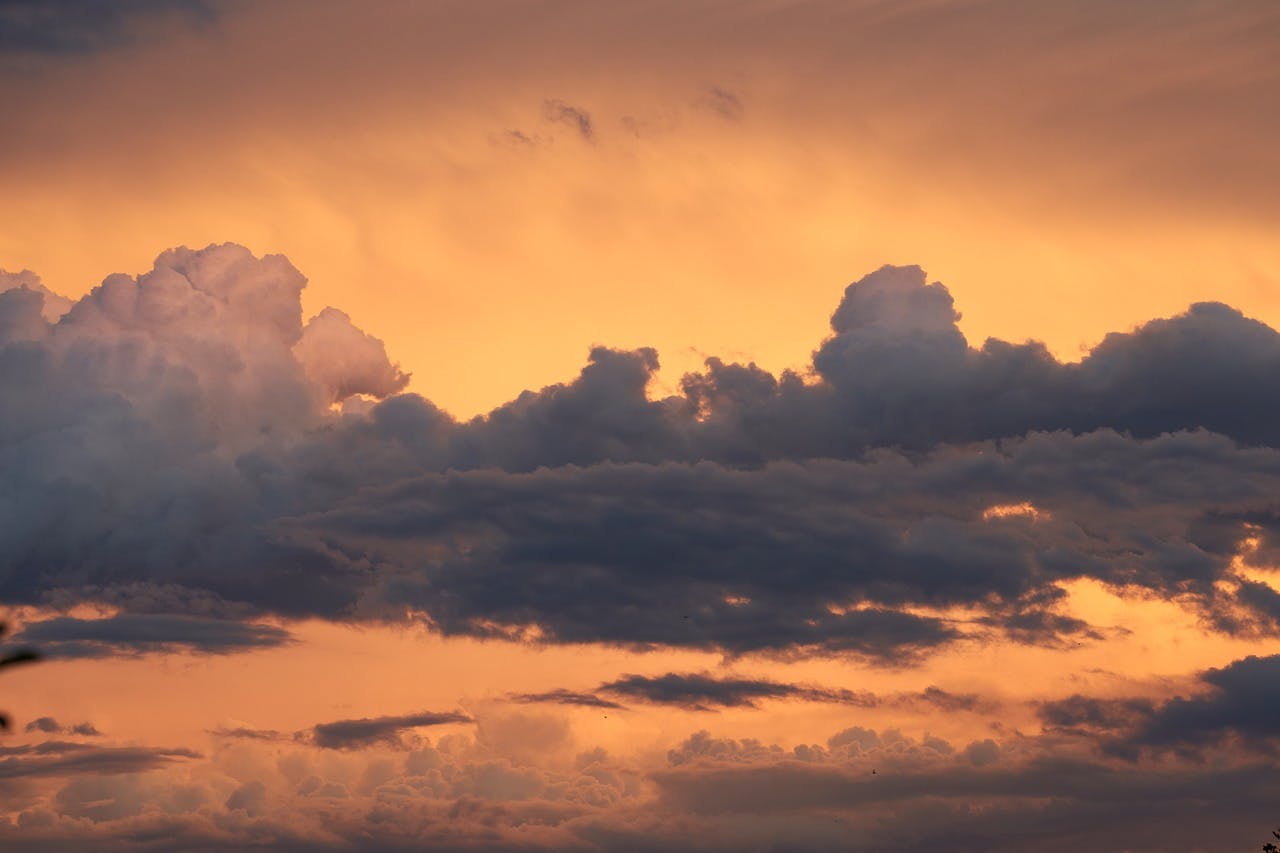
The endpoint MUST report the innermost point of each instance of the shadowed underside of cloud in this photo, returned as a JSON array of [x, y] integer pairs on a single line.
[[141, 633], [1237, 703], [182, 443], [371, 731]]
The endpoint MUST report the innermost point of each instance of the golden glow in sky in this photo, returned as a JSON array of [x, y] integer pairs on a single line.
[[598, 425]]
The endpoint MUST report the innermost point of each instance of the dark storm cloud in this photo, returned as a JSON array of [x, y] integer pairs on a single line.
[[820, 554], [1234, 703], [373, 731], [140, 633], [181, 445], [84, 26], [1240, 701]]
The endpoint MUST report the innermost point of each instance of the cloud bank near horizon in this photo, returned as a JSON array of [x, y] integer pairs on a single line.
[[182, 444], [1133, 781]]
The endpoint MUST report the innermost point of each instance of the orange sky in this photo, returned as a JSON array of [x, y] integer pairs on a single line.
[[493, 188], [1093, 189]]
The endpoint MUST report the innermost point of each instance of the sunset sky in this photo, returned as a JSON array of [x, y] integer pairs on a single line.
[[760, 425]]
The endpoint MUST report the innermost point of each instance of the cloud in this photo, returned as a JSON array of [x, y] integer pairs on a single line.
[[48, 725], [52, 307], [722, 102], [703, 691], [142, 633], [1239, 702], [70, 27], [172, 449], [345, 361], [560, 696], [1090, 714], [713, 793], [555, 110], [248, 733], [685, 555], [374, 731], [66, 759]]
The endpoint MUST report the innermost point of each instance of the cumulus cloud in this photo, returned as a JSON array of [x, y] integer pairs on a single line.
[[703, 691], [344, 361], [172, 448], [52, 305], [861, 789]]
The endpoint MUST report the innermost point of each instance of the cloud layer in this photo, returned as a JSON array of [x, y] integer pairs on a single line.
[[181, 444]]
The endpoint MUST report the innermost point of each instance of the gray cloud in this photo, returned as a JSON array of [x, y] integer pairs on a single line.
[[49, 725], [68, 759], [1239, 702], [560, 696], [76, 27], [140, 633], [556, 110], [702, 691], [372, 731], [171, 448], [723, 102]]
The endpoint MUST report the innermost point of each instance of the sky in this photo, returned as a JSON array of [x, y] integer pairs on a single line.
[[760, 425]]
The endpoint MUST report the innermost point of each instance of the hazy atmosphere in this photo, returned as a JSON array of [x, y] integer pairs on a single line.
[[759, 425]]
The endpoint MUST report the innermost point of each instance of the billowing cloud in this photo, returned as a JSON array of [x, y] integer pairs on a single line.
[[861, 789], [1238, 702], [52, 306], [172, 448], [1233, 704], [344, 360]]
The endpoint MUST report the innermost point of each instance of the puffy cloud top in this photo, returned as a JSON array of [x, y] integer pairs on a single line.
[[171, 445]]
